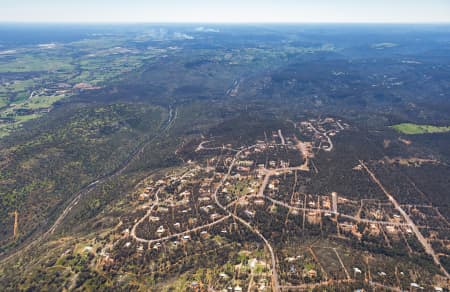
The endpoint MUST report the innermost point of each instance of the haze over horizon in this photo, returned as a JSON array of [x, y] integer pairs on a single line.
[[231, 11]]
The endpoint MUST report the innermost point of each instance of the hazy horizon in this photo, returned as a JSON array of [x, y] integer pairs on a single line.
[[443, 23], [225, 12]]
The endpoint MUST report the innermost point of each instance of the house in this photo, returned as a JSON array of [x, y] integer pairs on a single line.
[[224, 276], [214, 216], [374, 229], [163, 209], [243, 168], [106, 261], [259, 202], [397, 218], [347, 227], [417, 286], [284, 164], [160, 182], [153, 219], [312, 273], [246, 163], [160, 230], [185, 194], [249, 213], [292, 269], [252, 263], [326, 203], [378, 214], [195, 285], [391, 229], [87, 249], [313, 217], [143, 196], [207, 209]]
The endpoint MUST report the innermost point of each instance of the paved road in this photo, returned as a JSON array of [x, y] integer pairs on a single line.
[[310, 286], [275, 283], [428, 249], [283, 204], [88, 188], [149, 212], [283, 142], [133, 230], [278, 171], [325, 135], [139, 150], [339, 125], [263, 185], [201, 147], [151, 241]]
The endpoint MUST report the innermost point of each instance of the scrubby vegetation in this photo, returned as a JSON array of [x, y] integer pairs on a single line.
[[138, 103]]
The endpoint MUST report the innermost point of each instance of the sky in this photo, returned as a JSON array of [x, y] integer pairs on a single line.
[[226, 11]]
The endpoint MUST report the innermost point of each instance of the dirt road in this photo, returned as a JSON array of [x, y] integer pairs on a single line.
[[428, 249]]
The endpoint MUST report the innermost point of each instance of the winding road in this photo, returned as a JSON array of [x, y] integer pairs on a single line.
[[151, 241], [173, 113], [275, 282], [200, 147], [325, 134]]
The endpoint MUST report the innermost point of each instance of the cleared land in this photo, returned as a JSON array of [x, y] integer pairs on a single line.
[[413, 129]]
